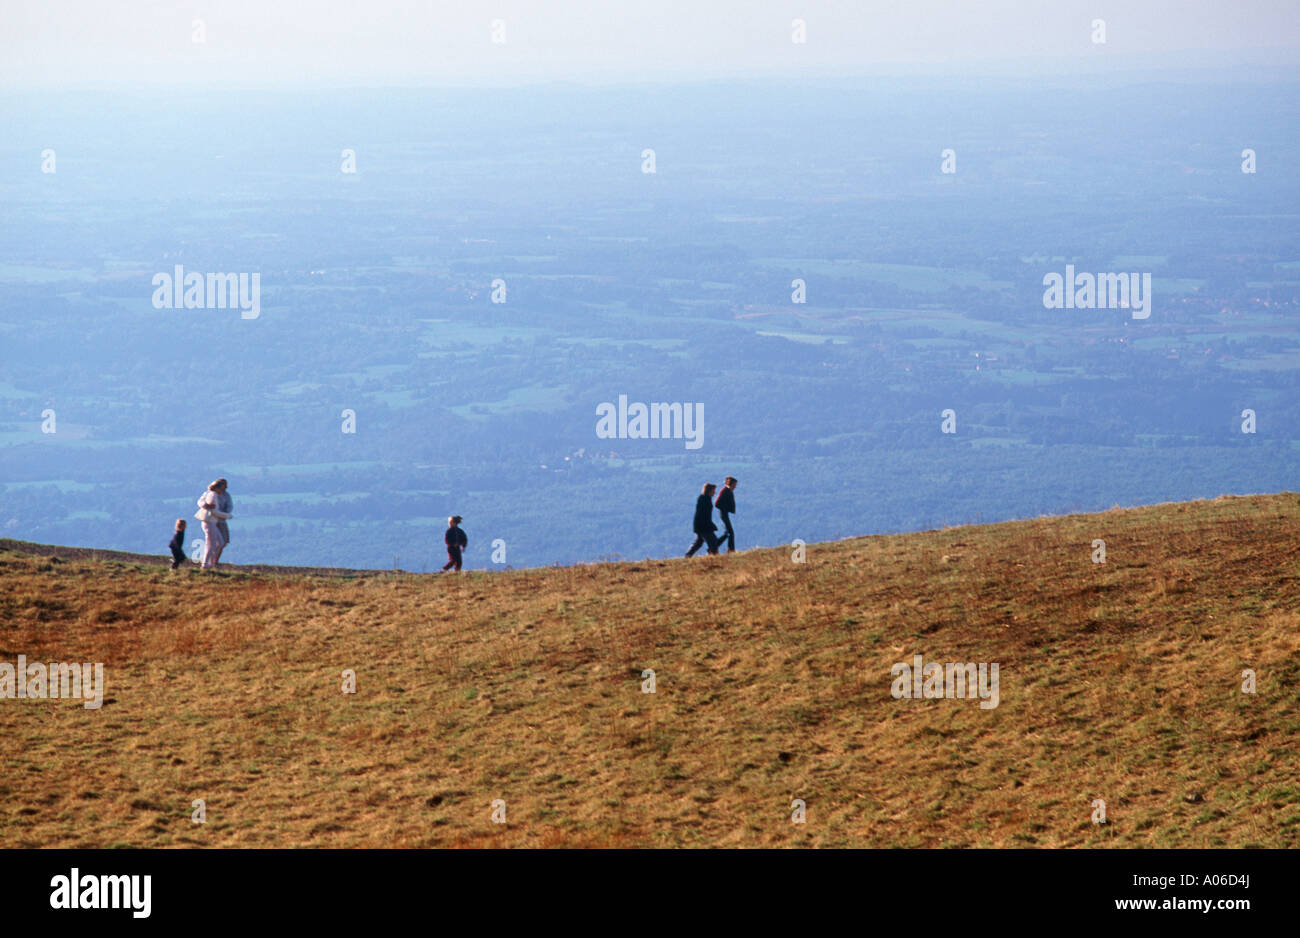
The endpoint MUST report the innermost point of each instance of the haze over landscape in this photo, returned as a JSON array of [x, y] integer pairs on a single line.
[[468, 271], [990, 308]]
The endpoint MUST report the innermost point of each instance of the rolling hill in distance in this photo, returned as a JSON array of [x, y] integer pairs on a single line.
[[454, 281], [980, 323], [773, 693]]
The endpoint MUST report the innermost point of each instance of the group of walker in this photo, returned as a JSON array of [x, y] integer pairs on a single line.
[[216, 507], [704, 526]]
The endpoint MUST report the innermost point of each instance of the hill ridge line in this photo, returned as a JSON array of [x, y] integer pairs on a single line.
[[110, 555]]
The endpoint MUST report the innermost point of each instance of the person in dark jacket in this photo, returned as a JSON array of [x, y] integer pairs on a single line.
[[704, 526], [177, 544], [726, 505], [456, 541]]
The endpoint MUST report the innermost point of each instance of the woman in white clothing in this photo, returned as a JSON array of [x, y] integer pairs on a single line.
[[210, 514]]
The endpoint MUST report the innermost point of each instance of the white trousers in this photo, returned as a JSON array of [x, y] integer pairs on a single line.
[[212, 543]]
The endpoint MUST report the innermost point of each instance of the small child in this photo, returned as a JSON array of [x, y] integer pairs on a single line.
[[177, 544], [456, 542]]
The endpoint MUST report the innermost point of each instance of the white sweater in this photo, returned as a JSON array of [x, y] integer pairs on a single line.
[[208, 500]]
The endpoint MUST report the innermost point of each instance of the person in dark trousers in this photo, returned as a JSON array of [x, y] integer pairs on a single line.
[[704, 526], [726, 505], [456, 542], [177, 544]]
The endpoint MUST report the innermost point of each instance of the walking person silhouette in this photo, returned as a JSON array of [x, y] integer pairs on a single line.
[[456, 541], [726, 505], [704, 526]]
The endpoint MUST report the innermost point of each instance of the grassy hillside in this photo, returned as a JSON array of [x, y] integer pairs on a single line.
[[1119, 681]]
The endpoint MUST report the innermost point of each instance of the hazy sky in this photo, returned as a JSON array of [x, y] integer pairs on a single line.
[[380, 41]]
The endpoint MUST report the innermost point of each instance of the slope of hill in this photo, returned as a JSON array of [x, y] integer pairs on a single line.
[[1120, 681]]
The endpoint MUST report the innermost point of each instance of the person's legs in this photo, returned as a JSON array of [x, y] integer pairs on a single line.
[[458, 557], [211, 544], [730, 537], [714, 541], [453, 559], [178, 557], [225, 538], [699, 540]]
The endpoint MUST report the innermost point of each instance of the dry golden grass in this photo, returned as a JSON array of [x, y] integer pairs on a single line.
[[1118, 681]]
